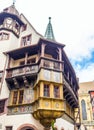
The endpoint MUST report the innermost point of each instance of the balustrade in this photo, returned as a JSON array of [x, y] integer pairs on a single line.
[[30, 69], [22, 70]]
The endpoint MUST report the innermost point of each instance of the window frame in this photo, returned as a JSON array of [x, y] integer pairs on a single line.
[[3, 36], [56, 91], [46, 91], [31, 61], [84, 111], [25, 40], [24, 27], [4, 106], [9, 127], [17, 97]]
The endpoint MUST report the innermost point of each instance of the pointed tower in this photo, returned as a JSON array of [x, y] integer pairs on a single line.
[[10, 20], [49, 31]]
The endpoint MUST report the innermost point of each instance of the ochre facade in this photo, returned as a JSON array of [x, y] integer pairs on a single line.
[[37, 81]]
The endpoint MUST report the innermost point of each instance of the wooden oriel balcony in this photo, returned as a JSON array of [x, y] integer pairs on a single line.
[[51, 64], [31, 69], [22, 70]]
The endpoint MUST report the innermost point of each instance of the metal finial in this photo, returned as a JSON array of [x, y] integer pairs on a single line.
[[14, 2], [49, 19]]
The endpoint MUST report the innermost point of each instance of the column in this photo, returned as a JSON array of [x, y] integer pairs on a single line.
[[42, 53], [61, 91], [42, 49], [60, 58], [60, 54], [41, 89], [51, 90], [26, 57]]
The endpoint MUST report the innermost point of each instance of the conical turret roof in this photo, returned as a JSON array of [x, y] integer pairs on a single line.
[[49, 31], [12, 10]]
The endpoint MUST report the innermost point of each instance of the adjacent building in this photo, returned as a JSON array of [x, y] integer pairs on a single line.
[[37, 81], [86, 102]]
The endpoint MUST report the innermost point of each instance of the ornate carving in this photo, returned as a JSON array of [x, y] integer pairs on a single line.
[[25, 81]]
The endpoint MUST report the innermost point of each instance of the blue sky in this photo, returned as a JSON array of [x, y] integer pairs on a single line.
[[73, 25]]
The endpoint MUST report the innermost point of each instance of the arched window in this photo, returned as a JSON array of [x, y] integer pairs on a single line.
[[84, 114]]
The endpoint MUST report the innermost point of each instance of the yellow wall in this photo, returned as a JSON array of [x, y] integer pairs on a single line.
[[84, 95]]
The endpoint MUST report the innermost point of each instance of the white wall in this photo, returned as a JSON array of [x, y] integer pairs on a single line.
[[61, 123], [17, 120]]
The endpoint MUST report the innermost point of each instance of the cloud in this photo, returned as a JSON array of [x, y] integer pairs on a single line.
[[82, 57], [85, 73], [73, 25], [82, 49]]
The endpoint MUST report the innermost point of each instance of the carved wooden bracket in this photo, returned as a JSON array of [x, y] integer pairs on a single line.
[[16, 83], [26, 83]]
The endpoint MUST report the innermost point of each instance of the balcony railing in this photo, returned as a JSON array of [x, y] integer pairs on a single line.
[[33, 68], [68, 82], [51, 64], [22, 70]]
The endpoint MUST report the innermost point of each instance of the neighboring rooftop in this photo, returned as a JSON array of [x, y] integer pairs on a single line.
[[85, 87]]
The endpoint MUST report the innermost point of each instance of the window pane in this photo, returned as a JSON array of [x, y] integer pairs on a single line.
[[4, 36], [26, 40], [84, 114], [15, 94], [8, 127], [22, 62], [31, 61], [46, 90], [56, 92], [24, 27], [21, 96], [2, 105]]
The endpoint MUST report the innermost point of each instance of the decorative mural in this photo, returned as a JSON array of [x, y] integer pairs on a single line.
[[28, 95], [47, 75], [56, 77], [26, 106], [20, 109]]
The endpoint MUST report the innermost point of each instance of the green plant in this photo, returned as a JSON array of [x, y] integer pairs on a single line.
[[52, 125]]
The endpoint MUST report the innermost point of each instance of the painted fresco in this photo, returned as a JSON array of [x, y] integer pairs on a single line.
[[28, 95]]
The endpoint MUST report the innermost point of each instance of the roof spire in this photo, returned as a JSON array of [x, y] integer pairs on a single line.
[[49, 31], [14, 2]]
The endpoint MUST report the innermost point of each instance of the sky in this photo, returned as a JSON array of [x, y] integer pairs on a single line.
[[73, 25]]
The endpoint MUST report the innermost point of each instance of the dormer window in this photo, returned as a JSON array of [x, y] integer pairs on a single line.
[[24, 27], [26, 40], [4, 36]]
